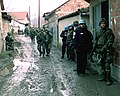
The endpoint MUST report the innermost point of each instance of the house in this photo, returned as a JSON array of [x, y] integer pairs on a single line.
[[6, 20], [66, 8], [70, 18], [1, 30], [109, 9], [19, 19]]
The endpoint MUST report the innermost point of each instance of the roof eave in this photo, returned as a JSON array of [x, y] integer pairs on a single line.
[[88, 1]]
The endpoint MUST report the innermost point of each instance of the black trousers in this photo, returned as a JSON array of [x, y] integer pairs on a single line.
[[81, 61], [63, 48]]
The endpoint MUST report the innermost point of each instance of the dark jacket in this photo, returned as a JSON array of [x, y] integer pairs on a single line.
[[83, 40], [63, 35]]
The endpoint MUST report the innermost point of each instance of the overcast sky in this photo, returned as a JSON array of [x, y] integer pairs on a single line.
[[23, 5]]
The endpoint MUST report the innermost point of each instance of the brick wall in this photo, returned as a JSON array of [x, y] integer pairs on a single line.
[[115, 25]]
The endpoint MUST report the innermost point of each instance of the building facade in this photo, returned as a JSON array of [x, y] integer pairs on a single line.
[[1, 28], [110, 10]]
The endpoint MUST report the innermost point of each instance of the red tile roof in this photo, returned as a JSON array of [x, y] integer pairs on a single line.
[[18, 15]]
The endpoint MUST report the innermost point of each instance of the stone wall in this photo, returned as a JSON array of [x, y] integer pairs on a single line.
[[115, 25]]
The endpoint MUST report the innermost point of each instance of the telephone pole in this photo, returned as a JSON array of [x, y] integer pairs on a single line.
[[29, 17], [38, 13]]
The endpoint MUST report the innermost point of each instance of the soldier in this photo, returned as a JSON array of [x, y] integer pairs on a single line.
[[32, 34], [63, 35], [70, 47], [83, 43], [41, 41], [104, 47], [26, 30], [9, 42], [49, 37], [75, 24]]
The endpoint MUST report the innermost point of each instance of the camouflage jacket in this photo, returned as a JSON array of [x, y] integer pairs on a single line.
[[104, 39], [41, 37]]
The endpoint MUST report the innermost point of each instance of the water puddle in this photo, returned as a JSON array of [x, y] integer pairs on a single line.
[[20, 69]]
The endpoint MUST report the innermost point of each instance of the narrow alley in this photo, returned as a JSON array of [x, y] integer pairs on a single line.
[[50, 76]]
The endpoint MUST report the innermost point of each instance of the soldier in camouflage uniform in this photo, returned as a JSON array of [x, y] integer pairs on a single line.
[[70, 46], [49, 37], [9, 42], [41, 41], [26, 30], [104, 46], [32, 34]]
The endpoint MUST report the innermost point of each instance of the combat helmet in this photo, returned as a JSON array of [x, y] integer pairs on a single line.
[[66, 28], [75, 23], [82, 22]]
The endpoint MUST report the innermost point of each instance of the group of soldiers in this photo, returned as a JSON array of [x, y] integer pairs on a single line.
[[44, 40], [43, 37], [79, 45]]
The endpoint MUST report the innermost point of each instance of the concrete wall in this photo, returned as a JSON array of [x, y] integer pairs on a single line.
[[1, 31], [6, 29], [52, 24]]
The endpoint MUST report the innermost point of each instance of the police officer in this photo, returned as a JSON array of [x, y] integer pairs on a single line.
[[104, 46], [83, 39], [9, 42], [63, 35]]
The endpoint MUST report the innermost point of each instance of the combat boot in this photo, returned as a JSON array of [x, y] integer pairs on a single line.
[[101, 78], [108, 79], [108, 83]]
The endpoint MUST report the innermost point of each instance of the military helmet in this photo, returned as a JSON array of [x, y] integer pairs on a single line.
[[71, 27], [66, 28], [82, 22], [75, 23], [103, 20], [8, 33]]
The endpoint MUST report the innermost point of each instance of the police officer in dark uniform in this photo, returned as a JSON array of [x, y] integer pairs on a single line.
[[63, 35], [104, 47], [83, 42]]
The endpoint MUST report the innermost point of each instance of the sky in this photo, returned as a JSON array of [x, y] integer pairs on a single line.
[[23, 5]]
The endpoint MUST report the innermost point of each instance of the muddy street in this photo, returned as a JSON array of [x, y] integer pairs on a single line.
[[50, 76]]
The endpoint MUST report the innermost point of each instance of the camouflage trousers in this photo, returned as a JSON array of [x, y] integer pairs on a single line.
[[106, 61], [41, 48]]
